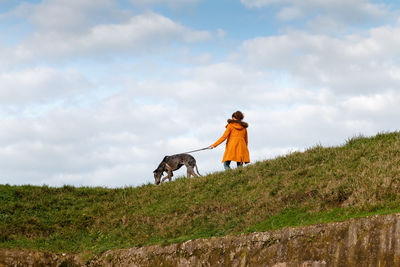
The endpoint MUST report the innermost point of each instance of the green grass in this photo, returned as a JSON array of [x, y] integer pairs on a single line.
[[320, 185]]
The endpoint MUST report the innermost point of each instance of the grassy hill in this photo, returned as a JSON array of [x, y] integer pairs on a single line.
[[360, 178]]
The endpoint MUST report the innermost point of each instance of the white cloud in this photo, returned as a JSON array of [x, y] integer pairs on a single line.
[[377, 105], [81, 142], [141, 33], [351, 65], [150, 2], [344, 12], [290, 13], [74, 16], [39, 85], [328, 123], [171, 3], [219, 85], [259, 3], [95, 29]]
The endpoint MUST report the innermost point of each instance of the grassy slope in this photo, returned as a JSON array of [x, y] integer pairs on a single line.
[[320, 185]]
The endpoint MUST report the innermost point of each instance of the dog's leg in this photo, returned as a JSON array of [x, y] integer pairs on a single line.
[[168, 176], [197, 170], [169, 171], [190, 171], [164, 178], [193, 173]]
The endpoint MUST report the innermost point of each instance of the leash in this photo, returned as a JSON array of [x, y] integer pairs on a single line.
[[196, 150]]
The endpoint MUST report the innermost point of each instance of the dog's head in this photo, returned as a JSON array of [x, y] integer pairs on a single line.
[[159, 171], [157, 176]]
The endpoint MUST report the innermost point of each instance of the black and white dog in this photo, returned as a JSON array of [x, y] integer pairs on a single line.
[[173, 163]]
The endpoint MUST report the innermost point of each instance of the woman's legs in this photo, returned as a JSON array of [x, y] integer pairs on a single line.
[[226, 165]]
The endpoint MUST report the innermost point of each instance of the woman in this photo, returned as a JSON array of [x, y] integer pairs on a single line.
[[236, 145]]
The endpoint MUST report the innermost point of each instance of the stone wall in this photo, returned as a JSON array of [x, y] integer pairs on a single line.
[[373, 241]]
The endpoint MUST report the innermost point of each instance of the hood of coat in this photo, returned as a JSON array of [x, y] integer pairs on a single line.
[[238, 124]]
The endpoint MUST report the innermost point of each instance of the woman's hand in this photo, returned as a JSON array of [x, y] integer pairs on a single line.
[[210, 147]]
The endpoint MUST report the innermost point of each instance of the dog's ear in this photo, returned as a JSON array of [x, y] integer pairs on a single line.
[[155, 171], [165, 158]]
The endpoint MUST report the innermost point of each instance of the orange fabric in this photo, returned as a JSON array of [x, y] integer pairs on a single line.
[[236, 145]]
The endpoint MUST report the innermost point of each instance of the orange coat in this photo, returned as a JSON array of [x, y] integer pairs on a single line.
[[236, 146]]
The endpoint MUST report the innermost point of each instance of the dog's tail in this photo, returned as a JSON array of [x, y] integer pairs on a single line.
[[197, 170]]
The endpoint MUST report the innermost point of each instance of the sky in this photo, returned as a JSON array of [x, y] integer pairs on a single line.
[[97, 92]]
